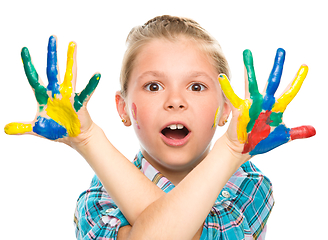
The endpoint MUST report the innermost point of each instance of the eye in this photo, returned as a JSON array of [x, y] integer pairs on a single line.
[[153, 87], [197, 87]]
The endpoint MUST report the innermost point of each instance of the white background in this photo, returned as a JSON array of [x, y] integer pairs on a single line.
[[41, 180]]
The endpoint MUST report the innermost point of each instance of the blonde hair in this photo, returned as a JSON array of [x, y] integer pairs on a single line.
[[169, 27]]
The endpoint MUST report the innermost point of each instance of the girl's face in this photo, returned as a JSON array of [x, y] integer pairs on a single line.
[[172, 99]]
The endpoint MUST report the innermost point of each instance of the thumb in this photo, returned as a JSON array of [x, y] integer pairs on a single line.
[[16, 128]]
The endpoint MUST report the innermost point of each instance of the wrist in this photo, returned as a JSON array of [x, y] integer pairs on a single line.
[[87, 139], [232, 149]]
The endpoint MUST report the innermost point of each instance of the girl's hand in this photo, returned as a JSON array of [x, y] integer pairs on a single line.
[[257, 122], [62, 114]]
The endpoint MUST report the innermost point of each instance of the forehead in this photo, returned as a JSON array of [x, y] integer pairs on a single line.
[[176, 57]]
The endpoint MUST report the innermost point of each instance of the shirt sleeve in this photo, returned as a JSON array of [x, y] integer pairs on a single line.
[[242, 208], [96, 215]]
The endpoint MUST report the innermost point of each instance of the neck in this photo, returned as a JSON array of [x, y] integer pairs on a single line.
[[174, 174]]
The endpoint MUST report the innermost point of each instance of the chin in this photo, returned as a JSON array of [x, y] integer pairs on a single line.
[[176, 158], [180, 160]]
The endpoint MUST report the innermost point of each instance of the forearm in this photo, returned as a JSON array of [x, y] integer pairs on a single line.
[[128, 187], [189, 203]]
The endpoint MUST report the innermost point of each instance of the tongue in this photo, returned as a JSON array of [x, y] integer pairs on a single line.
[[174, 134]]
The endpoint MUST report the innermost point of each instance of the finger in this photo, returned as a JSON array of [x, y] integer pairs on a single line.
[[241, 105], [15, 128], [33, 78], [80, 98], [228, 91], [66, 88], [251, 84], [279, 136], [252, 88], [288, 96], [260, 131], [274, 79], [302, 132], [52, 67]]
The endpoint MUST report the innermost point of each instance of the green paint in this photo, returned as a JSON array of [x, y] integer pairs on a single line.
[[255, 95], [33, 78], [79, 99], [276, 119]]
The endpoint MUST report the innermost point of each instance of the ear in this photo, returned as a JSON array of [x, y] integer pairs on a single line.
[[121, 107], [225, 114]]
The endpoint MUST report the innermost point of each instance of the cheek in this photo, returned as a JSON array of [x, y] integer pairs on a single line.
[[142, 121], [142, 113], [210, 112]]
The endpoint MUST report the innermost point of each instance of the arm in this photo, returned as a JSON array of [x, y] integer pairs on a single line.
[[132, 196], [62, 116], [199, 188], [123, 232], [130, 189]]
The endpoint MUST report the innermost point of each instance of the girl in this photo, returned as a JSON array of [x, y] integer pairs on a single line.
[[175, 92]]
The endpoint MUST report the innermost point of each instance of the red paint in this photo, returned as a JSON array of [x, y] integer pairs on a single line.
[[260, 131], [134, 114], [302, 132]]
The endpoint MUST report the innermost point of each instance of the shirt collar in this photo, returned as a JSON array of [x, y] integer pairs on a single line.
[[166, 185], [152, 174]]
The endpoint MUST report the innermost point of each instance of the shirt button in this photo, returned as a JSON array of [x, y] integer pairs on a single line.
[[225, 194]]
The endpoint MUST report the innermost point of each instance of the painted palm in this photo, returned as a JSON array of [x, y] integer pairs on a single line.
[[59, 107], [260, 124]]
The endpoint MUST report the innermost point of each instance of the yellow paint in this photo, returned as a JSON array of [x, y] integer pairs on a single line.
[[216, 117], [66, 87], [243, 120], [243, 107], [17, 128], [288, 96], [228, 91], [60, 109]]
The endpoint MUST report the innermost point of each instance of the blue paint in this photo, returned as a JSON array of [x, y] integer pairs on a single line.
[[274, 79], [52, 71], [50, 129], [280, 135]]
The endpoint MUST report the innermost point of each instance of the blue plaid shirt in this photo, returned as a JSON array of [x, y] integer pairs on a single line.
[[240, 211]]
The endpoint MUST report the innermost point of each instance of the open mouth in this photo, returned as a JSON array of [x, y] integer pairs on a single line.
[[175, 132]]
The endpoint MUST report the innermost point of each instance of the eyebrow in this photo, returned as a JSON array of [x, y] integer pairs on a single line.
[[199, 74], [152, 74], [159, 74]]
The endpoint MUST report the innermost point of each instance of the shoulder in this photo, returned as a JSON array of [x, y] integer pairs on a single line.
[[252, 191], [247, 185], [96, 213], [244, 204], [248, 179]]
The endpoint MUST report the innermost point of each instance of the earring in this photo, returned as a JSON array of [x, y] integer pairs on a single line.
[[225, 121], [123, 120]]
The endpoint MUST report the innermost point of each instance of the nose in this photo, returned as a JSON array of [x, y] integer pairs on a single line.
[[175, 101]]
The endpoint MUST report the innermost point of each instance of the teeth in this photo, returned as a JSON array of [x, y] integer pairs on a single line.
[[175, 126], [172, 126]]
